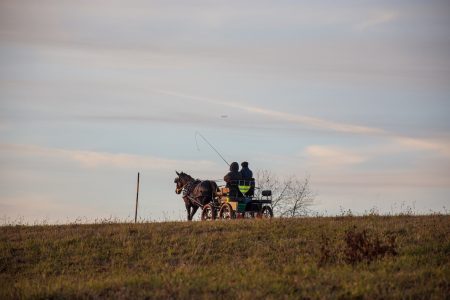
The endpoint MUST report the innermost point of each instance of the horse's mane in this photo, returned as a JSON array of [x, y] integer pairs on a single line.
[[189, 177]]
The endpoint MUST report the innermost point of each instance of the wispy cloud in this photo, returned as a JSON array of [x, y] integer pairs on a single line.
[[34, 206], [440, 146], [333, 165], [377, 18], [94, 159], [308, 121], [333, 156]]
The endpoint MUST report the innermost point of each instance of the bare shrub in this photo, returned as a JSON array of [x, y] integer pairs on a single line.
[[360, 246], [355, 247], [291, 197]]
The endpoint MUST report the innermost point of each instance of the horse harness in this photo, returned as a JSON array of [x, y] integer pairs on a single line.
[[188, 189]]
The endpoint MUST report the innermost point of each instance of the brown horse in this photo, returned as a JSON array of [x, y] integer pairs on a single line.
[[196, 193]]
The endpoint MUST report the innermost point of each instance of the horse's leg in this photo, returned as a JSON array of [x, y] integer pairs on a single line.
[[194, 210], [189, 214], [188, 209]]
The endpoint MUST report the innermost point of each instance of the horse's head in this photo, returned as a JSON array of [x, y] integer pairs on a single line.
[[181, 181]]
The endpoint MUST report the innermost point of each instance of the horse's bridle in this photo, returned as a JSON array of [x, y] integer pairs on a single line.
[[185, 187], [178, 190]]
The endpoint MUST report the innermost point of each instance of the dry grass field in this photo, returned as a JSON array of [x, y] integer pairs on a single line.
[[371, 257]]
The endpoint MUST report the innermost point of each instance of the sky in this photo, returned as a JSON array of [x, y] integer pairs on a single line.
[[354, 95]]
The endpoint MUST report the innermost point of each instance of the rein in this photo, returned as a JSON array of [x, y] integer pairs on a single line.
[[188, 187], [187, 190]]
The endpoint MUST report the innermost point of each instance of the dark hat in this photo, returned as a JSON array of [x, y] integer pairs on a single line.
[[234, 166], [244, 164]]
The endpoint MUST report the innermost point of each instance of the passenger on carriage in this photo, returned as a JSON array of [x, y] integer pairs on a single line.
[[247, 175]]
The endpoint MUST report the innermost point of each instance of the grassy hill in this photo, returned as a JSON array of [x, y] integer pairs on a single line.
[[342, 257]]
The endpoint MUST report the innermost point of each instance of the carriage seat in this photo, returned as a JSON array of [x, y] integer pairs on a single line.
[[242, 188], [266, 193], [223, 191]]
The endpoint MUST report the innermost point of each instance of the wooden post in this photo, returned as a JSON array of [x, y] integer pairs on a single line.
[[137, 199]]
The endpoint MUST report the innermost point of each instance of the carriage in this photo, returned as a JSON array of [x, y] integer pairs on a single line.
[[238, 200]]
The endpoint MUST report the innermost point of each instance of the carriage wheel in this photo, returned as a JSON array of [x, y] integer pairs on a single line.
[[267, 212], [227, 212], [208, 213]]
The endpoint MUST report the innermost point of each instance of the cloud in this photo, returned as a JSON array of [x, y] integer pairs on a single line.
[[377, 19], [337, 166], [308, 121], [94, 159], [440, 146], [35, 207], [333, 156]]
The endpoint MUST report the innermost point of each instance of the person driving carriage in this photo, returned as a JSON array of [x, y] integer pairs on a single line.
[[234, 174], [232, 179], [246, 173]]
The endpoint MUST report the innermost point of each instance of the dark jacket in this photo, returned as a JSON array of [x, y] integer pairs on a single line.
[[233, 174], [246, 173]]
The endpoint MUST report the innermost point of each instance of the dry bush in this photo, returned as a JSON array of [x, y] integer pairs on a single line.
[[360, 246], [356, 246], [291, 197]]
